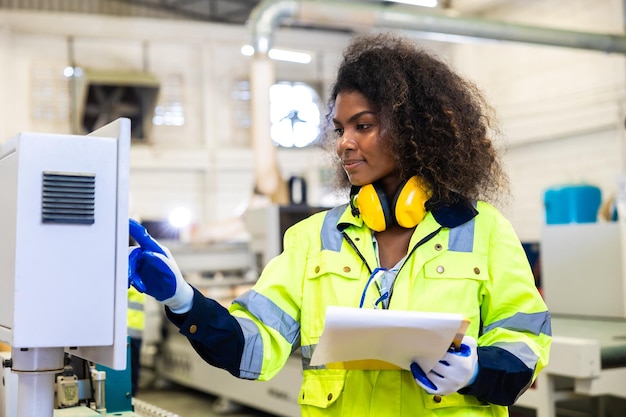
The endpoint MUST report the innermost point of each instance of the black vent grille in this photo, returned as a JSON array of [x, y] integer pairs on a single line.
[[68, 198]]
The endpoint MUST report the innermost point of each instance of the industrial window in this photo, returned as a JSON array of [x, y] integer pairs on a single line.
[[170, 110], [50, 94], [294, 114]]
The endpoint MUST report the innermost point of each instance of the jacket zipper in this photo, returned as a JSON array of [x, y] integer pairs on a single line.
[[369, 269]]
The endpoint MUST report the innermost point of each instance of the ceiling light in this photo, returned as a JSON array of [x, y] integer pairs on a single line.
[[423, 3], [247, 50], [180, 217], [290, 56], [281, 54]]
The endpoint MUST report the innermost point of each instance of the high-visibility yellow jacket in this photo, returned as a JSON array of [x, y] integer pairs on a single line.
[[136, 316], [463, 259]]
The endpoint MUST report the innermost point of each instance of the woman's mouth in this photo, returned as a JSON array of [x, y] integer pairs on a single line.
[[351, 164]]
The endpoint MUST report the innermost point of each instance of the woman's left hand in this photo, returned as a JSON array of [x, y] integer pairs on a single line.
[[456, 370]]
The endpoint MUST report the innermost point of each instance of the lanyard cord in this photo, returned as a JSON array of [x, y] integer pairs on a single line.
[[369, 269], [367, 284]]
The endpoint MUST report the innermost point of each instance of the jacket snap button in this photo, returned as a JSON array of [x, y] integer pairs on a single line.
[[330, 396], [438, 246], [437, 398], [477, 270], [346, 269], [317, 269], [193, 329], [440, 269]]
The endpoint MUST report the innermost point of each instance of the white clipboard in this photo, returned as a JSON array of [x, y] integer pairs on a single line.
[[356, 338]]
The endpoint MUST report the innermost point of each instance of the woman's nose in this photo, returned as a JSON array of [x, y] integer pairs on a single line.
[[345, 142]]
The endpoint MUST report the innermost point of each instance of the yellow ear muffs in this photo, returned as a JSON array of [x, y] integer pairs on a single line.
[[407, 207], [373, 207]]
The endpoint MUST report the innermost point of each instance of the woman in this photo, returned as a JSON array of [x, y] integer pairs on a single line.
[[412, 142]]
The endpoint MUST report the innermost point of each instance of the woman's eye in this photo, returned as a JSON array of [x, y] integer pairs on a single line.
[[363, 126], [338, 131]]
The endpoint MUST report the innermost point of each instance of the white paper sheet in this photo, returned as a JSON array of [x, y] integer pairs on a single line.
[[392, 336]]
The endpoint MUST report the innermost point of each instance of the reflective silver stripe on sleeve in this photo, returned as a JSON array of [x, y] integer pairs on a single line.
[[521, 351], [252, 358], [307, 354], [535, 323], [268, 313], [133, 305], [135, 333], [330, 236], [461, 238]]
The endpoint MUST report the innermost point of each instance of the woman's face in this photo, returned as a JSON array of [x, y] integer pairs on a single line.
[[359, 142]]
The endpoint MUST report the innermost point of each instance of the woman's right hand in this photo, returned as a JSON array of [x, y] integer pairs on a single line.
[[152, 270]]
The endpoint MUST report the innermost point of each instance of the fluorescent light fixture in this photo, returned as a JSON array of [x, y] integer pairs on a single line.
[[290, 56], [281, 54], [69, 72], [247, 50], [423, 3]]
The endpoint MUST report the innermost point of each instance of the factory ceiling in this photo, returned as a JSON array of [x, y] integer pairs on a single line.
[[238, 11], [220, 11]]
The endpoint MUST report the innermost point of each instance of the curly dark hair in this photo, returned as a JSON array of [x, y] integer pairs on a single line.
[[436, 123]]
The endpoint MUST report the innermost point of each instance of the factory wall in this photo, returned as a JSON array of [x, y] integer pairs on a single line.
[[206, 164], [561, 111]]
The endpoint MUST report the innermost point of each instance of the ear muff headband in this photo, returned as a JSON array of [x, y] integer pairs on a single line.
[[407, 207]]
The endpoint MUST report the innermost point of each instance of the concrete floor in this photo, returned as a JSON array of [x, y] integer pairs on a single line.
[[160, 398], [186, 402]]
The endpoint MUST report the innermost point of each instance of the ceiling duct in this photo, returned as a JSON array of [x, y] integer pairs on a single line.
[[266, 16], [104, 96]]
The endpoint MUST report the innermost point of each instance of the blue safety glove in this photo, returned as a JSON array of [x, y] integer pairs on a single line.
[[152, 270], [457, 369]]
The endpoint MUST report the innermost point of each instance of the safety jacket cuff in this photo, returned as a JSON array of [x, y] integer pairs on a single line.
[[501, 379]]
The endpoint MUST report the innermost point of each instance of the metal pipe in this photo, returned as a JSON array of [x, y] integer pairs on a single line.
[[266, 16], [36, 368], [268, 179], [98, 381]]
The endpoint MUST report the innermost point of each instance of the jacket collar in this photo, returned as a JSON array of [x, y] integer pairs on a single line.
[[449, 216], [455, 214]]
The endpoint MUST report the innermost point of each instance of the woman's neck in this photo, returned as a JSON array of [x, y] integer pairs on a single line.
[[393, 245]]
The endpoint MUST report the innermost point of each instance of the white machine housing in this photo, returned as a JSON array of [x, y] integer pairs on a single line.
[[583, 269], [64, 242]]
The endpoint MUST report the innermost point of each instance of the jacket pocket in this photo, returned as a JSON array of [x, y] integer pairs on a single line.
[[331, 280], [435, 402], [454, 265], [335, 263], [454, 283], [321, 388]]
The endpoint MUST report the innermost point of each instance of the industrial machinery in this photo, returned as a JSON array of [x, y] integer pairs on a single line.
[[222, 272], [584, 285], [64, 275]]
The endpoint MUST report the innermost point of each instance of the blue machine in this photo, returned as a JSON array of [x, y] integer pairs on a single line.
[[118, 389]]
